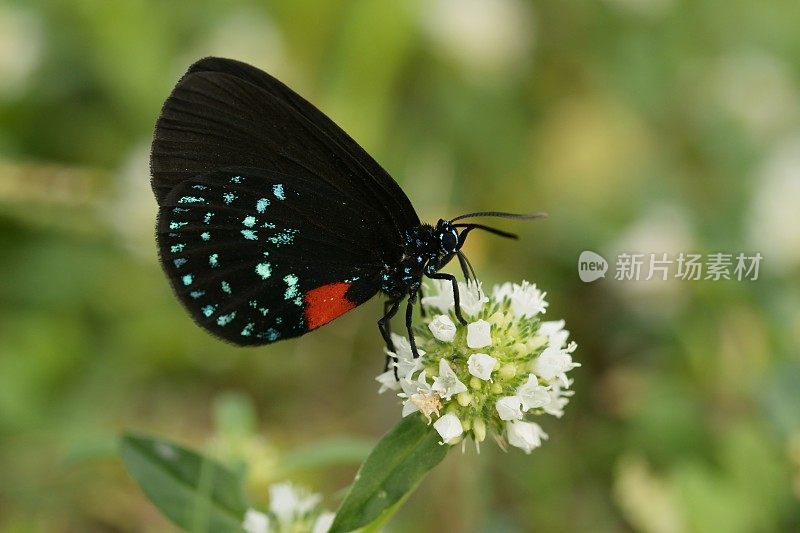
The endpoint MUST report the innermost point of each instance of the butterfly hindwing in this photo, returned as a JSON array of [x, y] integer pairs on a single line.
[[257, 256]]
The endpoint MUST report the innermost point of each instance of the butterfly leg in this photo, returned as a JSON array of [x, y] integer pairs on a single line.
[[412, 299], [452, 279], [390, 309], [422, 312]]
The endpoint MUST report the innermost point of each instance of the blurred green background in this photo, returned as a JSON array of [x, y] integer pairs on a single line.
[[644, 125]]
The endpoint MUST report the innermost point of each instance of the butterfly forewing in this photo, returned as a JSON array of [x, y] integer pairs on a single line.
[[226, 113], [257, 256]]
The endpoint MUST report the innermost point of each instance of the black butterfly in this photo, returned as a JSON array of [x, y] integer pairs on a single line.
[[272, 221]]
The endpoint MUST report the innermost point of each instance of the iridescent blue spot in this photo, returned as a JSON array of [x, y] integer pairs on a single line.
[[253, 304], [291, 289], [187, 279], [179, 262], [226, 319], [207, 217], [209, 310], [249, 234], [213, 260], [277, 190], [177, 225], [173, 234], [178, 210], [264, 310], [249, 221], [199, 187], [271, 335], [248, 330], [225, 287], [229, 197], [191, 200], [269, 225], [196, 294], [298, 301], [262, 204], [264, 270], [284, 237], [175, 248], [236, 179], [279, 320], [205, 235]]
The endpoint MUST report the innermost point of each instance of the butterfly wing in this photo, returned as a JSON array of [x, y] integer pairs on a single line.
[[257, 256], [225, 113]]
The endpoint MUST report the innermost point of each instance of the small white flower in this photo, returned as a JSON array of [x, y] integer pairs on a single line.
[[288, 502], [406, 363], [449, 427], [323, 522], [525, 435], [532, 394], [387, 381], [442, 297], [502, 291], [443, 328], [447, 384], [554, 362], [510, 361], [558, 399], [555, 332], [527, 300], [508, 407], [471, 297], [479, 334], [419, 396], [255, 522], [481, 365]]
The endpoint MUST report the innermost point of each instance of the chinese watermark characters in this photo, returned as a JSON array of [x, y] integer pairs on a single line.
[[662, 266]]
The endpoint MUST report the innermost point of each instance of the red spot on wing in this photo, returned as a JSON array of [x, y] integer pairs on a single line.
[[325, 303]]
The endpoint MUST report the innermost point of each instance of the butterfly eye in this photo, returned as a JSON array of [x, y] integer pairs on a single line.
[[449, 241]]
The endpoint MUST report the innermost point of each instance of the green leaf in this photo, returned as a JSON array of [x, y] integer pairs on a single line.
[[393, 469], [195, 492]]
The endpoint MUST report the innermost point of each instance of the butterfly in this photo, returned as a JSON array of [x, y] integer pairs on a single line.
[[272, 221]]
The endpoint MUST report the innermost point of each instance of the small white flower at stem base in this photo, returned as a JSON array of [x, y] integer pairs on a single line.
[[479, 334], [447, 384], [508, 407], [255, 522], [449, 428], [525, 435], [532, 394], [481, 365], [288, 502], [443, 328], [323, 522]]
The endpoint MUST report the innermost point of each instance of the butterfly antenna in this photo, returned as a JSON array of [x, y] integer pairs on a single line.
[[500, 214], [469, 227]]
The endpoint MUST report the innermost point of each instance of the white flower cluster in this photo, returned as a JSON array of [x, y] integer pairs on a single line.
[[491, 376], [291, 509]]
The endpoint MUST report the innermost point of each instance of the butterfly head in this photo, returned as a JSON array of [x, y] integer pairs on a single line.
[[447, 238]]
